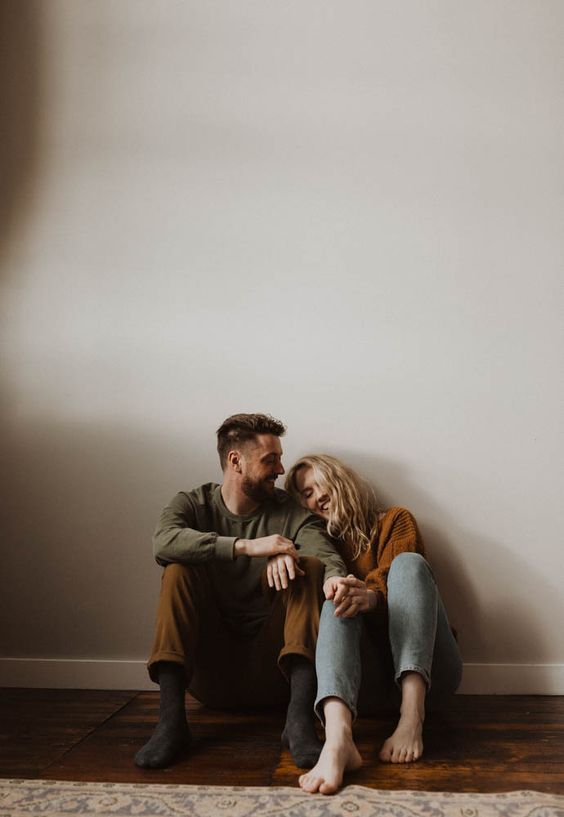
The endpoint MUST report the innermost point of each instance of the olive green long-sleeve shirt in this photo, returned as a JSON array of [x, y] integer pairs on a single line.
[[196, 527]]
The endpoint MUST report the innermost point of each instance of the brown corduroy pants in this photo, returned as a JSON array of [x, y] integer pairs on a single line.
[[223, 669]]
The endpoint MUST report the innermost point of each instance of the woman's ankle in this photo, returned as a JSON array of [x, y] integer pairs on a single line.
[[413, 693], [338, 721]]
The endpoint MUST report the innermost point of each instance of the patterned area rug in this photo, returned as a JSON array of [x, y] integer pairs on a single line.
[[51, 798]]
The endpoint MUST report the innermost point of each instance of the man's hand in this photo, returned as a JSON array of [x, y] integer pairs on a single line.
[[266, 546], [349, 595], [331, 586], [281, 570]]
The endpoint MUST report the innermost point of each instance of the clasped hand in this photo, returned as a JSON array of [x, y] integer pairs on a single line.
[[349, 595]]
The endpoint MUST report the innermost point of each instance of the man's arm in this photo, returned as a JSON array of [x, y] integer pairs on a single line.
[[351, 595], [178, 539], [312, 539], [272, 545]]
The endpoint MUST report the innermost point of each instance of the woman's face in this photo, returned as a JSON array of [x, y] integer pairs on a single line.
[[314, 496]]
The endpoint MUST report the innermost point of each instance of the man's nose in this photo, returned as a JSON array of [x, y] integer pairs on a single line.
[[280, 469]]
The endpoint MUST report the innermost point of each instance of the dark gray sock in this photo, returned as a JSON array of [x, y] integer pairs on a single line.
[[172, 733], [299, 734]]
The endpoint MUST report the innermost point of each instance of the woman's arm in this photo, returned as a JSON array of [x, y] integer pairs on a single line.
[[398, 533]]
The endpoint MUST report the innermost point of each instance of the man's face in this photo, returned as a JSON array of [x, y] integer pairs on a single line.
[[261, 465]]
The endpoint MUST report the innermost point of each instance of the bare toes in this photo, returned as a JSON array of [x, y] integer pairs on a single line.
[[311, 784]]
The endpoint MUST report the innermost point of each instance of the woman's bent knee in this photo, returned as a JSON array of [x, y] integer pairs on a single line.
[[409, 564]]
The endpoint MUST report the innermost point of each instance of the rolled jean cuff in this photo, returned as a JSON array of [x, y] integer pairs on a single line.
[[349, 701], [413, 668]]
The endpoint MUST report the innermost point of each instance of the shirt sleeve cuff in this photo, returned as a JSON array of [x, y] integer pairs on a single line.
[[224, 548]]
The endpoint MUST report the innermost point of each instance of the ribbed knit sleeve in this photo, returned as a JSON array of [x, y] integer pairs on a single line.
[[398, 533]]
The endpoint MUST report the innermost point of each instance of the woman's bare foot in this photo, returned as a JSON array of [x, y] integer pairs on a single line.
[[405, 745], [335, 759], [339, 753]]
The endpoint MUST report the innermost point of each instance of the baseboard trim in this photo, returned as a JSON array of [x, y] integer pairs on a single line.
[[512, 679], [63, 673], [74, 673]]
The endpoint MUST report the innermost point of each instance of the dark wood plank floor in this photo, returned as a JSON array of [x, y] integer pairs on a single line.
[[482, 743]]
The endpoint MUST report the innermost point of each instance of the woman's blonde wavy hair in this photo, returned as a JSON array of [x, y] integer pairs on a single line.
[[353, 508]]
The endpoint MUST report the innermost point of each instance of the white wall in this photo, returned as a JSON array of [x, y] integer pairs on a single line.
[[346, 214]]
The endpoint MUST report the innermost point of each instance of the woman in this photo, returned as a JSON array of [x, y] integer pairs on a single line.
[[392, 586]]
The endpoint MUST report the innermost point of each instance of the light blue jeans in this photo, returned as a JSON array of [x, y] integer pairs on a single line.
[[420, 638]]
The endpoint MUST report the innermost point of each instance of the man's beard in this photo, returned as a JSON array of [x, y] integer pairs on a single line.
[[258, 491]]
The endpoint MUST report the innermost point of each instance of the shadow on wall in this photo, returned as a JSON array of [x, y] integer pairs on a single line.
[[20, 113], [506, 628], [79, 501], [81, 505]]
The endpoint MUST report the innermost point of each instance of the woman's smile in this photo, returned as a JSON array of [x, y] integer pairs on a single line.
[[314, 496]]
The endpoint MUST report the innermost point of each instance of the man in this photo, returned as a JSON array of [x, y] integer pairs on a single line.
[[239, 607]]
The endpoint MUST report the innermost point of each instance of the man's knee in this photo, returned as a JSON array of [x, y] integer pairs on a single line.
[[177, 574], [310, 585], [185, 587], [314, 570]]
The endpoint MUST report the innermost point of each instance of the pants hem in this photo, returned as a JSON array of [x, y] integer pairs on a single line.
[[318, 708], [293, 650], [169, 657], [413, 668]]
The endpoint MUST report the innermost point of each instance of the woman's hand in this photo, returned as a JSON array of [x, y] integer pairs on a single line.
[[351, 596]]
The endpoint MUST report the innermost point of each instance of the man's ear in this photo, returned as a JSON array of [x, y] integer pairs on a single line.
[[234, 460]]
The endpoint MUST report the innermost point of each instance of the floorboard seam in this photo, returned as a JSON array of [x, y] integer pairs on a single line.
[[88, 734]]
